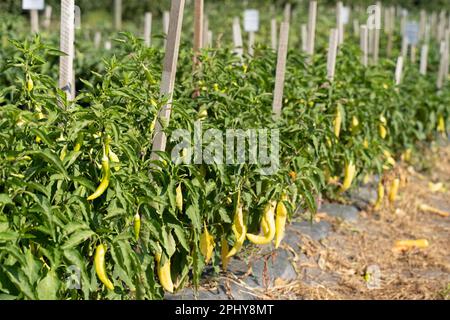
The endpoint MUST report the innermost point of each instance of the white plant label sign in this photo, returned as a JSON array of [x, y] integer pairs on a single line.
[[412, 33], [251, 20], [33, 4], [345, 15]]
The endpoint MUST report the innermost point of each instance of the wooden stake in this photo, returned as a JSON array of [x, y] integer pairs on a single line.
[[148, 29], [47, 17], [287, 13], [376, 45], [166, 21], [273, 33], [312, 27], [399, 70], [281, 69], [339, 22], [251, 43], [413, 54], [304, 31], [365, 45], [424, 59], [34, 20], [205, 32], [404, 46], [168, 76], [97, 39], [118, 14], [332, 52], [356, 30], [371, 33], [422, 24], [198, 26], [237, 37], [67, 37]]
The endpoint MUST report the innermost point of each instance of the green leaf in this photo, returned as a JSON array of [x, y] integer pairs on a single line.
[[5, 199], [193, 212], [52, 159], [47, 288], [77, 238]]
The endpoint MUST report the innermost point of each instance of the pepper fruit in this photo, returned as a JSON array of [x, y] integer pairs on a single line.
[[137, 226], [78, 142], [402, 245], [179, 198], [106, 175], [224, 253], [240, 231], [382, 131], [280, 222], [337, 123], [99, 262], [441, 125], [164, 275], [393, 190], [206, 244], [269, 217], [380, 196], [350, 172], [30, 84]]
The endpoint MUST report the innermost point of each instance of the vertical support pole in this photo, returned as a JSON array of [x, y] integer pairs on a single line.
[[198, 26], [67, 46], [118, 15], [399, 70], [281, 69], [273, 33], [166, 21], [312, 27], [237, 37], [47, 17], [168, 76], [34, 20], [365, 45], [205, 40], [148, 29], [97, 39], [332, 52], [356, 30], [251, 43], [304, 31], [339, 22], [424, 59]]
